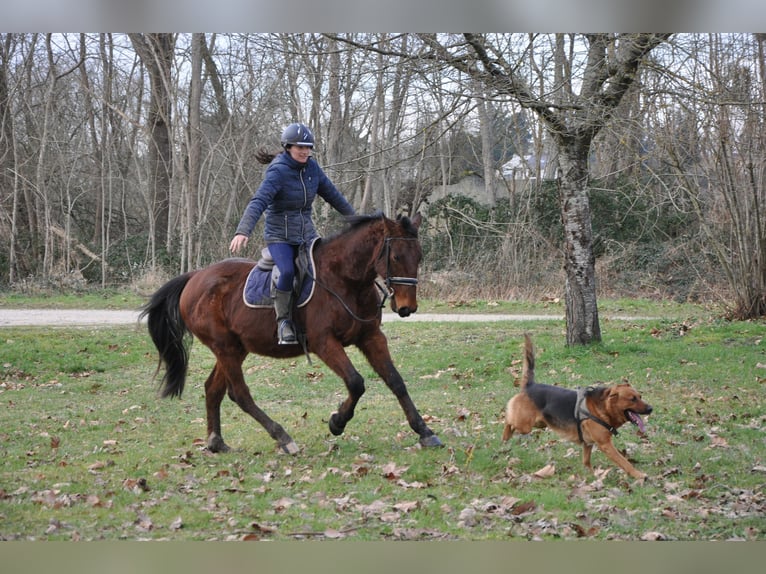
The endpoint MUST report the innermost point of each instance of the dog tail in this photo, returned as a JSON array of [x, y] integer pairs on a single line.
[[528, 368]]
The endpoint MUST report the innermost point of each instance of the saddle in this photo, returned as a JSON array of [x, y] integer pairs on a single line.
[[261, 282]]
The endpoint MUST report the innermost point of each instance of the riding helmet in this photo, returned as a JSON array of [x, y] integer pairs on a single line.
[[297, 134]]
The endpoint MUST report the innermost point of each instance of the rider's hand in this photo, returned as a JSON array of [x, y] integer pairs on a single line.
[[238, 243]]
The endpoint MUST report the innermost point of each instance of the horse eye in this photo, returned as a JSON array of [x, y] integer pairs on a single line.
[[396, 258]]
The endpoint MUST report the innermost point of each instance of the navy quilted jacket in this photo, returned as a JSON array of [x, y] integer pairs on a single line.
[[286, 195]]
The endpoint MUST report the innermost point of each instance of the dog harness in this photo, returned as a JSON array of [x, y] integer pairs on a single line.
[[581, 412]]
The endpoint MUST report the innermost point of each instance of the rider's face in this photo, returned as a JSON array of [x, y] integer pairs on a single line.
[[299, 153]]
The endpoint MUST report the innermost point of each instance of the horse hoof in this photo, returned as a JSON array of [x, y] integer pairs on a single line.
[[289, 448], [430, 441], [336, 428], [215, 444]]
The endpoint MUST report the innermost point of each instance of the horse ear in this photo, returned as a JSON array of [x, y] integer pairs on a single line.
[[417, 219]]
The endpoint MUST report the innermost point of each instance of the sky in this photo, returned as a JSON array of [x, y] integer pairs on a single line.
[[384, 16]]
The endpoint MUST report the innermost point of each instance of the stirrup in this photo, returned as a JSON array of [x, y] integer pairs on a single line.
[[286, 333]]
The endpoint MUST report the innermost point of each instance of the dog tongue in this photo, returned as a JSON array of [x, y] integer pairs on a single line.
[[637, 420]]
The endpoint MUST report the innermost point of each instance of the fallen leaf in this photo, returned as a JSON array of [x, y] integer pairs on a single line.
[[653, 536], [282, 504], [718, 442], [406, 506], [467, 517], [416, 484], [601, 473], [374, 507], [392, 472], [136, 485], [508, 502], [546, 472], [524, 507], [143, 522], [263, 528]]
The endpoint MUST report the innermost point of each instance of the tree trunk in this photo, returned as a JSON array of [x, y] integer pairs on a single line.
[[485, 129], [579, 263], [8, 172], [194, 139], [368, 201], [335, 125], [156, 53], [105, 169]]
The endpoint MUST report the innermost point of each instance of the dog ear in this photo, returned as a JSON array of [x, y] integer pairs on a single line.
[[598, 392]]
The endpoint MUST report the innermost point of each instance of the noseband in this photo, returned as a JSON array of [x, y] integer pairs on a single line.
[[395, 280]]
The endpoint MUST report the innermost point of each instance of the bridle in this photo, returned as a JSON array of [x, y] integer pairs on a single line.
[[386, 291], [395, 280]]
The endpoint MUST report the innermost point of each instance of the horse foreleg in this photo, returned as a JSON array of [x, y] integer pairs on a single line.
[[334, 356], [376, 351], [240, 394]]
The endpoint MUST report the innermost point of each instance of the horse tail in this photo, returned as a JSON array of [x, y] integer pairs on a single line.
[[170, 334]]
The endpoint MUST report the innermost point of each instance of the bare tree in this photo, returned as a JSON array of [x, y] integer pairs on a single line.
[[156, 51], [194, 147], [608, 67], [713, 142], [9, 180]]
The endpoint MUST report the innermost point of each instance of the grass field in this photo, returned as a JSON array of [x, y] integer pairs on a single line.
[[90, 453]]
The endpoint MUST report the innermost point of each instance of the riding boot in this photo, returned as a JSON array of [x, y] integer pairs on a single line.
[[283, 301]]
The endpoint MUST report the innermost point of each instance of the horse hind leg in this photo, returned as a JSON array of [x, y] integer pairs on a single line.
[[240, 394], [215, 390]]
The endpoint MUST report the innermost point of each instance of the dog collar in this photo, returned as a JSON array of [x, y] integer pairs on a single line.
[[581, 412]]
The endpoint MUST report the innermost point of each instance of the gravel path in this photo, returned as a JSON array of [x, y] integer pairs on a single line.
[[63, 317], [22, 317]]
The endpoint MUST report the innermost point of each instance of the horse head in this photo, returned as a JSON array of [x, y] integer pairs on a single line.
[[399, 261]]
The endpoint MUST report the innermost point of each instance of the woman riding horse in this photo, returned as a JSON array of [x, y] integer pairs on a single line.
[[345, 309], [292, 181]]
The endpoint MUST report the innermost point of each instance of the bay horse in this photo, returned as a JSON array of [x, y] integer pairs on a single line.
[[345, 309]]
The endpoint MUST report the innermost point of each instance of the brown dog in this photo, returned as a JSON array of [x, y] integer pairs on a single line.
[[586, 416]]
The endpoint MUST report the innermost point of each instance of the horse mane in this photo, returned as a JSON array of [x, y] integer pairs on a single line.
[[359, 220]]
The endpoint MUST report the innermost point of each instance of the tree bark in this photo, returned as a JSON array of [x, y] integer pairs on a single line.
[[579, 262]]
